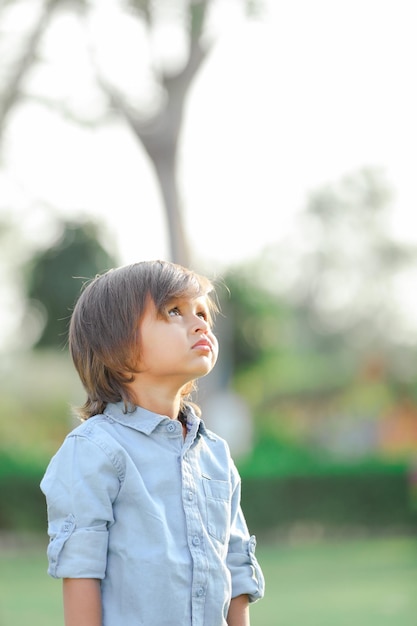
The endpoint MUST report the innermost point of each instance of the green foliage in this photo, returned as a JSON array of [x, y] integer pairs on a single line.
[[309, 387], [290, 373], [23, 504], [35, 397], [260, 322], [36, 394], [286, 483], [55, 276], [275, 457], [281, 486], [335, 502]]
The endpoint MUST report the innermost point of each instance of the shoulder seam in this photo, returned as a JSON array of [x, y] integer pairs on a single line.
[[103, 445]]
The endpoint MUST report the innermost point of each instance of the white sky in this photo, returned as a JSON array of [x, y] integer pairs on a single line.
[[313, 91]]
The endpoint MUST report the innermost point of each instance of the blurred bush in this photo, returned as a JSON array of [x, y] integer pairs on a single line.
[[375, 499], [285, 485], [330, 503], [22, 502], [36, 390]]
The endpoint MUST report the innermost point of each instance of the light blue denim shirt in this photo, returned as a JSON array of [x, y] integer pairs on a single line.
[[157, 518]]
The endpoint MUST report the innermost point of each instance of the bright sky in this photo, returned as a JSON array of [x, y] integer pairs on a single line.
[[313, 91]]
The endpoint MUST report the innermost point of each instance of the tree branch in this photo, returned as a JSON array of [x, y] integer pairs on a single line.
[[12, 92], [66, 112]]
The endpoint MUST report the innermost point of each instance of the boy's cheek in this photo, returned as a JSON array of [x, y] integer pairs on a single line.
[[215, 349]]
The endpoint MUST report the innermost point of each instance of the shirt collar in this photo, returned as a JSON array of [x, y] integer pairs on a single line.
[[146, 421]]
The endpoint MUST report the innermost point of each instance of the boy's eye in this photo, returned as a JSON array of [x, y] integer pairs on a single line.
[[202, 314], [174, 311]]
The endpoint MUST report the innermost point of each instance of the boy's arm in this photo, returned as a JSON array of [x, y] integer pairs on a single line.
[[238, 614], [82, 602]]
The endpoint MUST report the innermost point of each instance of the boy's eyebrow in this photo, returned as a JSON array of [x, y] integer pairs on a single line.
[[184, 298], [172, 300]]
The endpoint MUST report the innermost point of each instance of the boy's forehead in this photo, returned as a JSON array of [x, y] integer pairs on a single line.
[[198, 298]]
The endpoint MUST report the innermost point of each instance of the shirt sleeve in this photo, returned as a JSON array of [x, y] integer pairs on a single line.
[[246, 573], [80, 485]]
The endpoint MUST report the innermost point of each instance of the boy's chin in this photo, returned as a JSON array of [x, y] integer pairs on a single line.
[[206, 370], [200, 374]]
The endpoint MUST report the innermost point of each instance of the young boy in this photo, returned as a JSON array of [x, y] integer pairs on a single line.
[[143, 501]]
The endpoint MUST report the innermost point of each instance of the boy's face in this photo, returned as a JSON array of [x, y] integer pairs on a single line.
[[179, 345]]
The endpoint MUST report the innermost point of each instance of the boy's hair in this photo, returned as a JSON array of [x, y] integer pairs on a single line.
[[103, 337]]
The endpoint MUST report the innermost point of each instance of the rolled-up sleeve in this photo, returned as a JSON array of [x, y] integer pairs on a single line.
[[80, 486], [246, 573]]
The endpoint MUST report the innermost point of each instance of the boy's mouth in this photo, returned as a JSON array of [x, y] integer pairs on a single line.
[[203, 343]]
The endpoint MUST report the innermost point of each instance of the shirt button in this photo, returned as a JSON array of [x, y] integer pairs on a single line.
[[190, 495], [196, 541], [200, 592], [170, 428]]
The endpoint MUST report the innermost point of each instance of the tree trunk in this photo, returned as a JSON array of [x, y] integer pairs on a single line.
[[160, 133], [165, 168]]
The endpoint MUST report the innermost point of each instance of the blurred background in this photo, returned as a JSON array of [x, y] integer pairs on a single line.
[[272, 146]]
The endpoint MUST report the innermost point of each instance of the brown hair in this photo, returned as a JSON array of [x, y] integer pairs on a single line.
[[103, 334]]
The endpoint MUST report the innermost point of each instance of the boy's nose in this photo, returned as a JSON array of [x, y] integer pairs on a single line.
[[201, 325]]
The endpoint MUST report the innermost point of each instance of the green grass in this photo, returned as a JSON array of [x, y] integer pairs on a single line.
[[27, 594], [366, 583], [362, 582]]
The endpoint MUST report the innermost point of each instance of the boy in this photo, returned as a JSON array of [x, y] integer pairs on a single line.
[[143, 501]]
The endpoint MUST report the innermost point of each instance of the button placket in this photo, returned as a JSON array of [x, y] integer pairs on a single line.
[[193, 523]]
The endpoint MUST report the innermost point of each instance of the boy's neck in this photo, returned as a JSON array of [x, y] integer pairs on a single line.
[[158, 401]]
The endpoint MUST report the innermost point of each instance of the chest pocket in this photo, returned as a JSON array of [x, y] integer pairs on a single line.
[[217, 493]]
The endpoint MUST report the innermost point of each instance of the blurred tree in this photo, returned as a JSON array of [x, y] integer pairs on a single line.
[[158, 76], [54, 277], [158, 125], [260, 322], [349, 276], [344, 272]]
